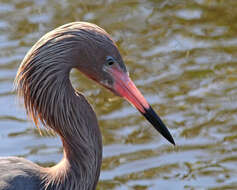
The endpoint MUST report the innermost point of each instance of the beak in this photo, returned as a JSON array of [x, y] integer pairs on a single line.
[[124, 87]]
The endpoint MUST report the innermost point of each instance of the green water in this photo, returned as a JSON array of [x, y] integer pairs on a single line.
[[181, 54]]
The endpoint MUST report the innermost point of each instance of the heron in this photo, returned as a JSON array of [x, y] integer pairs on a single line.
[[50, 99]]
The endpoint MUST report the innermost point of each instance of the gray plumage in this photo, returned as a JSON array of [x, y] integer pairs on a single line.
[[43, 81], [16, 171]]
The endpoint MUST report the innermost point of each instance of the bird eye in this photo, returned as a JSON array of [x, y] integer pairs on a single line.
[[110, 61]]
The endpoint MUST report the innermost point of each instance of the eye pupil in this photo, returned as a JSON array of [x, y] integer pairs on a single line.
[[110, 62]]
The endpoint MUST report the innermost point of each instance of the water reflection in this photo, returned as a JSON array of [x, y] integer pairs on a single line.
[[181, 54]]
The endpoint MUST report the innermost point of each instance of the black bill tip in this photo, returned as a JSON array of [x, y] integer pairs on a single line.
[[155, 120]]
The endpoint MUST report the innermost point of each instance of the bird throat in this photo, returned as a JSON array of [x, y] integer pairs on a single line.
[[76, 124]]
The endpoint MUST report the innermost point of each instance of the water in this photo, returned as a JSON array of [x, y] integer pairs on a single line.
[[181, 54]]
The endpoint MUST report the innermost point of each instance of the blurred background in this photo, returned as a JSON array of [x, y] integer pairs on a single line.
[[182, 55]]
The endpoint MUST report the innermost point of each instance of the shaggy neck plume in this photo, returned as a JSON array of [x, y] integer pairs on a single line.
[[43, 81], [80, 167]]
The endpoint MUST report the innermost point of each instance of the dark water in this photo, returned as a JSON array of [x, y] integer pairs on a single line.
[[181, 54]]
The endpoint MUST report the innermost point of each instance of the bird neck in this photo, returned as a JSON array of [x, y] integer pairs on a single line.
[[75, 122]]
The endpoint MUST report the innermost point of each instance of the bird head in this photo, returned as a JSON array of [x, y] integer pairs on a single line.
[[93, 52], [105, 65]]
